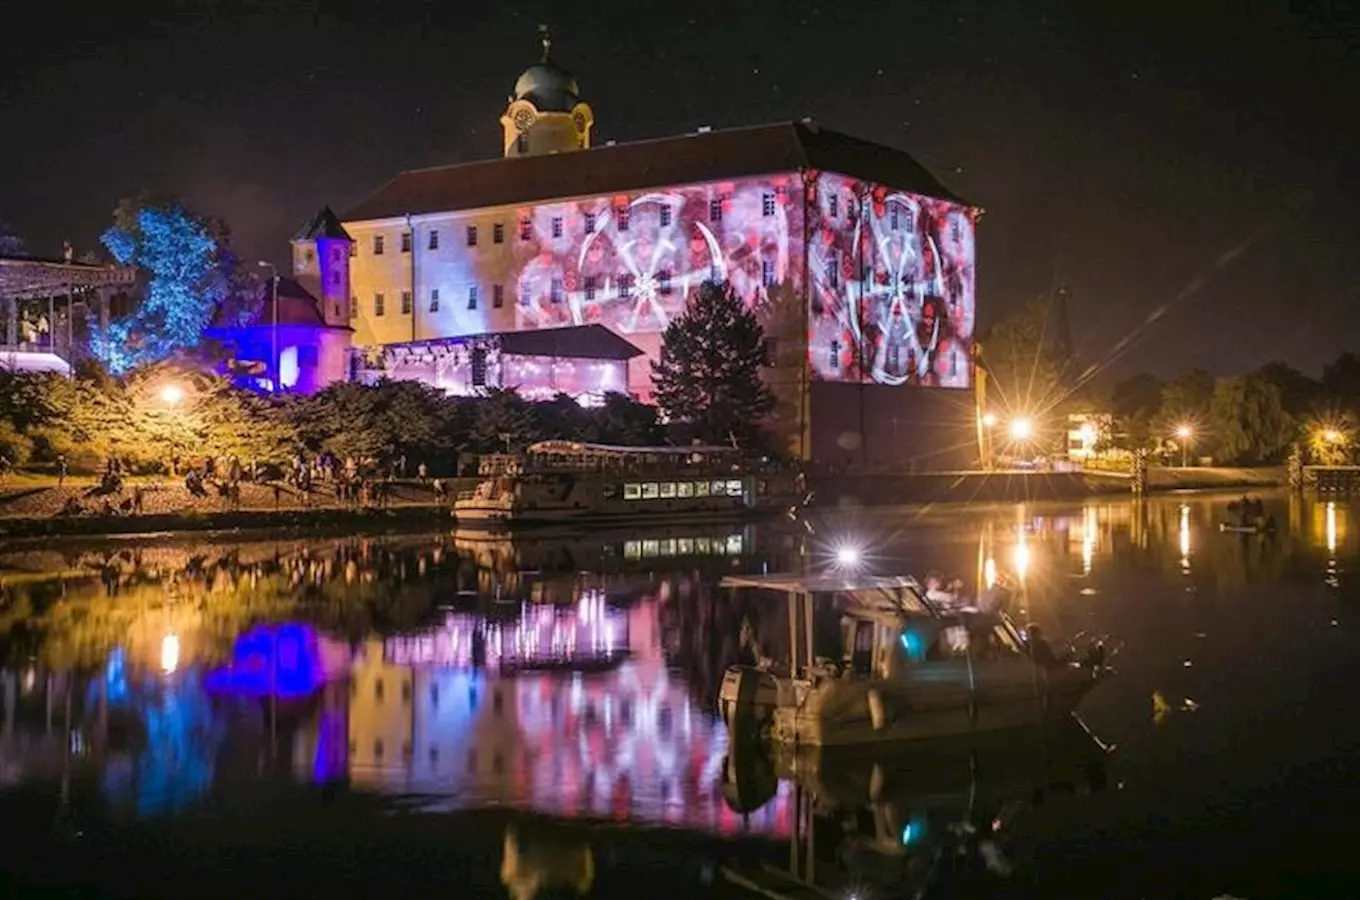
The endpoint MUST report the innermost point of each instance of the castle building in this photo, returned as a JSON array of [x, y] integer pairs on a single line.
[[860, 263]]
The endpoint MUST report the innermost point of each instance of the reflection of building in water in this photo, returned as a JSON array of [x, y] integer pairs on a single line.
[[381, 718], [626, 743]]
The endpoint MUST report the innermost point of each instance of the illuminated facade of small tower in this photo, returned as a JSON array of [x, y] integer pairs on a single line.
[[321, 252], [546, 113]]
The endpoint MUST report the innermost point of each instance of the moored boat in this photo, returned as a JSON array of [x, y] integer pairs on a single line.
[[910, 668], [559, 482]]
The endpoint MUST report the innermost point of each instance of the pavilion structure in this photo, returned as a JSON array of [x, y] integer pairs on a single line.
[[39, 301]]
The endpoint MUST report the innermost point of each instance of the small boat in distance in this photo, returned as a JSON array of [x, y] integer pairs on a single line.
[[556, 482], [909, 668]]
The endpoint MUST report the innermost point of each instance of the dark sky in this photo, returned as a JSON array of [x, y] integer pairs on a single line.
[[1198, 159]]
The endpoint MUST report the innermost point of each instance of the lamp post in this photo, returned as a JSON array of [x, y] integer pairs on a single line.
[[1184, 434], [274, 330]]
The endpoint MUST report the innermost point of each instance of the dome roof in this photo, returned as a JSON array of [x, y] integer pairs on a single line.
[[548, 86]]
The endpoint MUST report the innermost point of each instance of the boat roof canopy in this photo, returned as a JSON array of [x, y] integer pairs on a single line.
[[578, 447]]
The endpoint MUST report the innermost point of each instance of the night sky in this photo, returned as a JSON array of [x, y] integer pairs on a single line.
[[1197, 165]]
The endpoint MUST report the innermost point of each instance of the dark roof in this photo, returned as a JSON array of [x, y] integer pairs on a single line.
[[571, 342], [325, 224], [297, 307], [686, 159]]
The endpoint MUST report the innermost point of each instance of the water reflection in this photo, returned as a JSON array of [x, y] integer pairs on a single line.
[[574, 676]]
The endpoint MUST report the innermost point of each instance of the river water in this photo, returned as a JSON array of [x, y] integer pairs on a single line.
[[192, 715]]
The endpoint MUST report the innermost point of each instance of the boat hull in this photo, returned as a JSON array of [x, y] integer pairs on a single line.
[[873, 712]]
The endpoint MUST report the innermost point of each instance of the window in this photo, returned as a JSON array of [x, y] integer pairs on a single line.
[[650, 490], [525, 295], [406, 242], [668, 490], [497, 295], [632, 491], [767, 204], [892, 219], [622, 216], [955, 231], [522, 143], [715, 210], [835, 354], [685, 489], [498, 233], [626, 285], [306, 356], [665, 216], [832, 203], [434, 240], [434, 299], [833, 273], [472, 235], [354, 307], [377, 245], [406, 304], [767, 272], [663, 282], [590, 287], [556, 291], [557, 226], [701, 488], [353, 250], [590, 222], [479, 367], [734, 489], [379, 302], [308, 255], [472, 296], [526, 229]]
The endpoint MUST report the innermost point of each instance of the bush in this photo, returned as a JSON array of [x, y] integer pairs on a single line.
[[14, 446]]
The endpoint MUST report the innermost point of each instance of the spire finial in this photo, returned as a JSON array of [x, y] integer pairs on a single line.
[[545, 35]]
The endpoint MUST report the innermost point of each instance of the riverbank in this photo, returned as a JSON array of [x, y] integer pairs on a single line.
[[32, 506]]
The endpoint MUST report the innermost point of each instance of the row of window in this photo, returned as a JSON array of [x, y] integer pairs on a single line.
[[408, 302], [731, 545], [667, 490], [557, 228]]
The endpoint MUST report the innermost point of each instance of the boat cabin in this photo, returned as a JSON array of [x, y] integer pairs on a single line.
[[577, 456]]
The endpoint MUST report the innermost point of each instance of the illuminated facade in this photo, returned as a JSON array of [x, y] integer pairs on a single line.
[[860, 263]]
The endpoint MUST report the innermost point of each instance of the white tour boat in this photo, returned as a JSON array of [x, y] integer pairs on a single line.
[[558, 482], [910, 668]]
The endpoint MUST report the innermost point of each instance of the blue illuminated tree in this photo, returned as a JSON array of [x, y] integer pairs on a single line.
[[179, 255]]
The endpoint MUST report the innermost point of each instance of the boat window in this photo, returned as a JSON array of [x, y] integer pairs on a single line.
[[701, 489], [734, 489], [668, 489], [685, 489], [650, 490], [668, 547], [684, 546], [632, 549], [719, 488], [703, 545], [651, 548], [734, 545], [632, 491]]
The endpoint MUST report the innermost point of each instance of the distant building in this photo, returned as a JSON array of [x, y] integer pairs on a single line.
[[860, 263]]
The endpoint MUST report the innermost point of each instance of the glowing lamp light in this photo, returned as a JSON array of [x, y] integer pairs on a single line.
[[1022, 429], [172, 394], [1331, 436], [1185, 432], [848, 557], [1087, 432], [989, 420], [169, 653]]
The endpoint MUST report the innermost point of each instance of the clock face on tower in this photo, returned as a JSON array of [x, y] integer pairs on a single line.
[[524, 118]]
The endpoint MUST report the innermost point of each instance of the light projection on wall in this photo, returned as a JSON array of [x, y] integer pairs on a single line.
[[892, 285], [629, 262]]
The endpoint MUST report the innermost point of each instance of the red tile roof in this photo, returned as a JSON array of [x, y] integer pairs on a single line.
[[685, 159]]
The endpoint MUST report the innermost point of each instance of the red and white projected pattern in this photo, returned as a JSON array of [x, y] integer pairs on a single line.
[[892, 297], [628, 262]]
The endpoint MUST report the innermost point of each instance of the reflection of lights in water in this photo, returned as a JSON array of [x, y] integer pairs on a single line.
[[1331, 526], [169, 653], [1021, 558], [1088, 539], [989, 572], [1185, 538]]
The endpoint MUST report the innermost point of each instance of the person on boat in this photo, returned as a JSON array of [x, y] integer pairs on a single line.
[[941, 595]]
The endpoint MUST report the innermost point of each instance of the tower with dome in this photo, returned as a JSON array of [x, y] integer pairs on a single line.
[[556, 266]]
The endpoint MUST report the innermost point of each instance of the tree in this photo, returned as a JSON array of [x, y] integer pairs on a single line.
[[1299, 393], [180, 256], [502, 417], [1026, 359], [624, 421], [1185, 401], [11, 245], [709, 376], [1134, 403], [1247, 421], [1341, 382]]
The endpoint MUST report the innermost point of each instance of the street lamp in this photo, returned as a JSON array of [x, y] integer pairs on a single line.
[[1022, 429], [989, 420], [1185, 433], [172, 394], [274, 331]]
